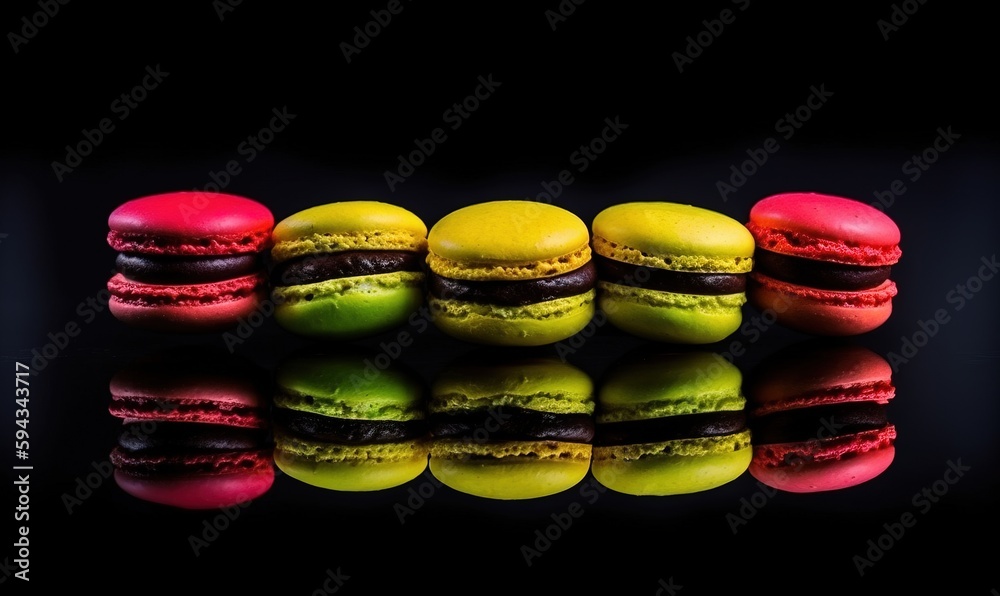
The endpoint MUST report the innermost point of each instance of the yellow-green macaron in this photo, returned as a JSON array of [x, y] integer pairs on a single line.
[[342, 423], [511, 272], [511, 428], [348, 269], [672, 272], [670, 423]]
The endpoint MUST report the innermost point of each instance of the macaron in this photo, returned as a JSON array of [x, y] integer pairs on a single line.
[[510, 428], [190, 465], [671, 272], [343, 424], [670, 424], [188, 261], [823, 263], [818, 412], [348, 269], [514, 273], [195, 430]]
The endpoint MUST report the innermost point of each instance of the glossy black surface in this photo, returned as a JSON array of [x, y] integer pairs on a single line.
[[592, 113]]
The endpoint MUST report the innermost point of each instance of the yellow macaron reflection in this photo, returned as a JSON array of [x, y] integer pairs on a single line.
[[517, 428], [670, 423]]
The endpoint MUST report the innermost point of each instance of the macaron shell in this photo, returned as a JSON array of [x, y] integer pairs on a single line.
[[820, 374], [347, 386], [350, 307], [202, 492], [524, 472], [508, 231], [822, 312], [669, 317], [825, 475], [350, 468], [826, 228], [198, 308], [540, 384], [190, 223], [670, 384], [348, 225], [673, 236], [532, 325], [665, 474]]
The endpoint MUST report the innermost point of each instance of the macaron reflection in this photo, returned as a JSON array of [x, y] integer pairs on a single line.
[[670, 424], [818, 414], [518, 428], [194, 432], [343, 424]]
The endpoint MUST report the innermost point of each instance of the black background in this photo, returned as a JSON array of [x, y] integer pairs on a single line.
[[352, 120]]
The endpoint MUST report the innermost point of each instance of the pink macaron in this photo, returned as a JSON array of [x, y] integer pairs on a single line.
[[822, 263], [818, 417], [188, 261], [195, 429]]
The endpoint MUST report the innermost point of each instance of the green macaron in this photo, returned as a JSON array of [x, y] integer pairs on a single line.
[[671, 272], [348, 269], [344, 424], [671, 423], [517, 428]]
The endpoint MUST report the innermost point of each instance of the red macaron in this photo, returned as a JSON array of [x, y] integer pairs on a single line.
[[188, 261], [818, 417], [822, 263], [195, 432]]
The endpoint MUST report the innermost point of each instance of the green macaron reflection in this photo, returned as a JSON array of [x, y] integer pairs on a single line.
[[669, 424], [342, 423], [511, 427]]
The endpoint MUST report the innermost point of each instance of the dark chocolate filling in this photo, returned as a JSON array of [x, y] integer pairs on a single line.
[[665, 280], [184, 270], [512, 424], [187, 437], [326, 429], [819, 274], [671, 428], [316, 268], [517, 292], [818, 422]]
